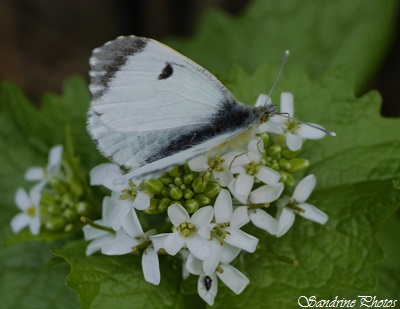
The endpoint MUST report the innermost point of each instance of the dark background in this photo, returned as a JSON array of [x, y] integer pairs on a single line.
[[43, 41]]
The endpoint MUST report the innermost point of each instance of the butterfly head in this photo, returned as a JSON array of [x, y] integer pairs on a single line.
[[265, 112]]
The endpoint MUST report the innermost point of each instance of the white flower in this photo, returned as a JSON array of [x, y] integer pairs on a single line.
[[51, 170], [296, 204], [187, 230], [219, 165], [100, 237], [295, 132], [131, 239], [110, 176], [30, 215], [207, 286], [251, 169], [228, 223]]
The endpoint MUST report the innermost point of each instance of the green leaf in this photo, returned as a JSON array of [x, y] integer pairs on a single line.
[[29, 279], [117, 281], [319, 35]]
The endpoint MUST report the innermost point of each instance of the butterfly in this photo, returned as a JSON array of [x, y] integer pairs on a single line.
[[153, 108]]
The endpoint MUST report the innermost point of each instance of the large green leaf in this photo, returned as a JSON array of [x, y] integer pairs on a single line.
[[319, 34]]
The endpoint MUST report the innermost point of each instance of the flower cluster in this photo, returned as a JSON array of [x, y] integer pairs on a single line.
[[196, 212], [56, 200]]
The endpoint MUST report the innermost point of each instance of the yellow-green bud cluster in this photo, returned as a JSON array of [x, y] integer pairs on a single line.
[[65, 199], [181, 186], [279, 157]]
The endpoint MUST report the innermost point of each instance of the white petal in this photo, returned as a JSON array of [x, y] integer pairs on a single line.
[[89, 232], [271, 127], [22, 200], [309, 132], [304, 188], [224, 178], [242, 187], [293, 141], [35, 195], [194, 265], [177, 214], [212, 260], [207, 293], [98, 173], [107, 209], [263, 220], [34, 173], [229, 253], [202, 217], [313, 213], [158, 240], [142, 201], [267, 193], [233, 278], [240, 239], [256, 148], [234, 158], [205, 231], [114, 180], [198, 164], [197, 246], [19, 221], [287, 105], [98, 243], [240, 217], [34, 225], [130, 223], [151, 266], [122, 207], [120, 245], [263, 100], [223, 207], [55, 155], [268, 175], [173, 243], [285, 221], [184, 255]]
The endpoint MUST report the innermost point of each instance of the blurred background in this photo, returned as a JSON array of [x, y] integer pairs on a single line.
[[43, 42]]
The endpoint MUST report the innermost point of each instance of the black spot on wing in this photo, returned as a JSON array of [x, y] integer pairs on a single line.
[[230, 117], [108, 59], [166, 72]]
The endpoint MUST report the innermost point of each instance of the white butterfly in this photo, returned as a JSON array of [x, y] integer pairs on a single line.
[[153, 108]]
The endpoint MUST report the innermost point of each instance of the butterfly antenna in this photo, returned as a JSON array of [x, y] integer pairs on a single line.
[[309, 124], [285, 56]]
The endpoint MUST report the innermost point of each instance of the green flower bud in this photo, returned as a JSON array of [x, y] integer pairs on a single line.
[[275, 151], [178, 181], [163, 204], [265, 137], [212, 189], [202, 199], [288, 154], [191, 206], [176, 193], [176, 202], [284, 164], [175, 172], [70, 215], [82, 208], [289, 180], [188, 194], [75, 187], [166, 179], [153, 207], [154, 185], [298, 165], [188, 178], [166, 192], [55, 224], [199, 185], [275, 165]]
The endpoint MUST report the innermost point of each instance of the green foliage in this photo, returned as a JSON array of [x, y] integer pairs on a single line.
[[319, 35]]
